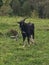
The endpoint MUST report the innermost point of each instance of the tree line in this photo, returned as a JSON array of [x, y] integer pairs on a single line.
[[37, 8]]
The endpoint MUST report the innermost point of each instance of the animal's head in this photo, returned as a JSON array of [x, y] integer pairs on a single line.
[[22, 22]]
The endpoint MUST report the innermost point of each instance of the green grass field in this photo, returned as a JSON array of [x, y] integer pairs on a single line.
[[12, 52]]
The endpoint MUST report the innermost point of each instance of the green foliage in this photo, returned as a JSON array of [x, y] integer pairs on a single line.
[[25, 7], [15, 4], [5, 10], [34, 14], [1, 3], [6, 1], [46, 10], [42, 6]]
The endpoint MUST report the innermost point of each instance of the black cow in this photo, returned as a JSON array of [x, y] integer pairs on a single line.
[[27, 30]]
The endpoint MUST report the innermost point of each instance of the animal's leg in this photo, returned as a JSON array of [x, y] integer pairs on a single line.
[[32, 39], [33, 35], [28, 38], [23, 41]]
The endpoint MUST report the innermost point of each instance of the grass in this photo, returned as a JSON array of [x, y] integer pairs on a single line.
[[12, 52]]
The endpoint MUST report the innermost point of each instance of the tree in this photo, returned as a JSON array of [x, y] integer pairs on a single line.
[[46, 10], [5, 10], [26, 8], [39, 8], [15, 5], [1, 3]]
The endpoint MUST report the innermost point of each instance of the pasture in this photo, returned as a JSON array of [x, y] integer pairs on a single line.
[[12, 52]]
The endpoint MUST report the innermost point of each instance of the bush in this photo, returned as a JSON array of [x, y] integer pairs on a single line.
[[26, 8], [1, 3], [5, 10]]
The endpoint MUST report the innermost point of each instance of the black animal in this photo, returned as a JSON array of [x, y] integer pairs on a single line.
[[27, 30]]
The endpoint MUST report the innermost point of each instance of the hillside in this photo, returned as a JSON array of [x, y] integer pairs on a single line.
[[12, 52]]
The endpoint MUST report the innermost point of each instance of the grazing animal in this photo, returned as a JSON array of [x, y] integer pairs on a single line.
[[27, 30]]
